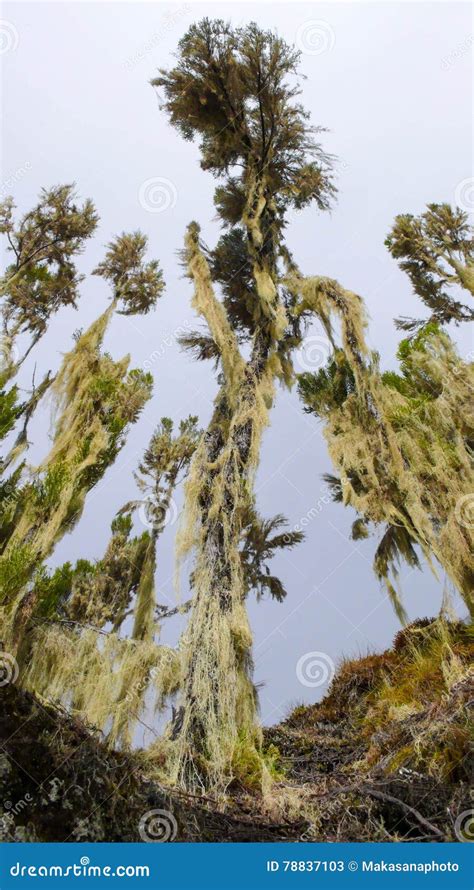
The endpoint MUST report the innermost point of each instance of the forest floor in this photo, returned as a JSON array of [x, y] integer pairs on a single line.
[[385, 756]]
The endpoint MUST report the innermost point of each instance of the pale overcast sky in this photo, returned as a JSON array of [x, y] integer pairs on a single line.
[[391, 82]]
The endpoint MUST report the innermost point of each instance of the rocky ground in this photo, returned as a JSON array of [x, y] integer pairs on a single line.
[[386, 756]]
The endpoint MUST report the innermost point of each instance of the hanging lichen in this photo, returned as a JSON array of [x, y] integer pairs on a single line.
[[54, 622], [96, 399], [79, 603], [401, 444], [67, 656], [94, 669]]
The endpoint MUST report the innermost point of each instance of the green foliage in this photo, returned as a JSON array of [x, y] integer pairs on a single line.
[[11, 495], [260, 543], [45, 491], [359, 530], [53, 589], [9, 410], [43, 276], [15, 570], [201, 346], [395, 545], [231, 267], [137, 285], [94, 593], [122, 525], [165, 459], [327, 389], [436, 250], [229, 88]]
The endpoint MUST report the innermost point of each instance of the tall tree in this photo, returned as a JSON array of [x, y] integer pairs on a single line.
[[231, 89]]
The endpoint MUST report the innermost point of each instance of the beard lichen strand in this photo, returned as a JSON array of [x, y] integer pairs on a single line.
[[434, 442], [128, 669], [144, 626], [102, 677], [70, 389], [325, 298], [115, 675], [70, 386], [42, 536], [94, 407], [260, 222], [420, 493], [206, 304], [414, 464]]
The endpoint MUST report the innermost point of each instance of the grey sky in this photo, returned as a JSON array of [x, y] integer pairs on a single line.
[[392, 84]]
